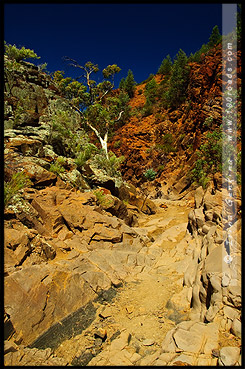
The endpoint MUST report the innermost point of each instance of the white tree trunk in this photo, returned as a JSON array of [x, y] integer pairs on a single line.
[[103, 141]]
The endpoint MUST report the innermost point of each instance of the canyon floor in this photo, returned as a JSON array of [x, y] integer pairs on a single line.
[[129, 328], [139, 307]]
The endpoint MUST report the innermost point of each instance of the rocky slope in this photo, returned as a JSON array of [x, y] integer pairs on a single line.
[[78, 241], [141, 140]]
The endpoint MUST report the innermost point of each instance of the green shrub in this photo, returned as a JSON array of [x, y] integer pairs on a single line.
[[166, 144], [111, 165], [58, 166], [103, 199], [209, 159], [19, 54], [150, 174], [147, 109], [85, 153], [17, 182]]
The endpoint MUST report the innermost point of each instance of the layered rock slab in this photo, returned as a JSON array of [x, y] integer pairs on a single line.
[[93, 250]]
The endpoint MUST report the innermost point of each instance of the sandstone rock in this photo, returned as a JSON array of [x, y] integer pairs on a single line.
[[168, 344], [75, 178], [190, 274], [10, 346], [230, 313], [211, 313], [135, 357], [199, 217], [38, 175], [214, 262], [40, 292], [33, 357], [26, 146], [215, 282], [229, 356], [198, 197], [187, 341], [236, 327], [121, 342]]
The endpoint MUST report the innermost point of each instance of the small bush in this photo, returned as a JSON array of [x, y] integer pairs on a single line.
[[17, 182], [209, 159], [58, 166], [166, 144], [111, 165], [150, 174], [85, 153], [102, 198]]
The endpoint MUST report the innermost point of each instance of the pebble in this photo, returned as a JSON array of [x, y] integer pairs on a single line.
[[148, 342]]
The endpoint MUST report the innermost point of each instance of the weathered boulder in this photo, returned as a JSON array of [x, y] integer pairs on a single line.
[[229, 356]]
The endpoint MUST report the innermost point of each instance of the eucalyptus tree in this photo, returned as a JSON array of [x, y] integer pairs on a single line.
[[98, 108]]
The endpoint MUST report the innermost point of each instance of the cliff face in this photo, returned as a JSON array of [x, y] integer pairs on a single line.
[[141, 139]]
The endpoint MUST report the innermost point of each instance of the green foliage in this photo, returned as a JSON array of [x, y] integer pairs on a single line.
[[178, 81], [110, 71], [67, 140], [122, 84], [150, 174], [111, 165], [86, 152], [71, 89], [99, 109], [151, 90], [119, 104], [42, 67], [198, 54], [209, 159], [166, 66], [103, 199], [239, 26], [215, 37], [58, 166], [166, 146], [150, 94], [18, 113], [130, 83], [17, 182], [148, 108], [17, 54]]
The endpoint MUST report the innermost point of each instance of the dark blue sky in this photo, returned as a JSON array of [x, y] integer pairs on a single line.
[[134, 36]]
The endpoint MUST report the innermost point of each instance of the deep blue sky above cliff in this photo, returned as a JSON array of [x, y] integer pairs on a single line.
[[134, 36]]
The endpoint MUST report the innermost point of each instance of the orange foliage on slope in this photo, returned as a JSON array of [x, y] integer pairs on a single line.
[[141, 139]]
